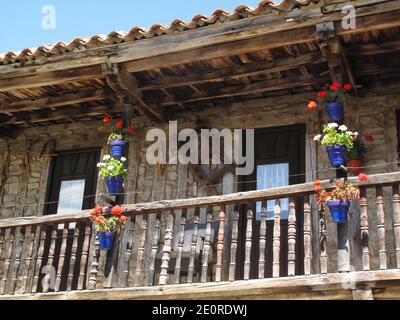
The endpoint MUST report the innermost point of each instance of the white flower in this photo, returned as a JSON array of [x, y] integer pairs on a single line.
[[332, 125], [343, 128], [101, 164], [349, 133], [317, 138], [123, 159], [106, 157], [110, 167], [355, 133]]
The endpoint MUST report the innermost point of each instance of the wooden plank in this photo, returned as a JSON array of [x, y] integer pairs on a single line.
[[220, 244], [380, 220], [248, 244]]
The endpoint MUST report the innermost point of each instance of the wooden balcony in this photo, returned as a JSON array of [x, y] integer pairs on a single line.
[[220, 247]]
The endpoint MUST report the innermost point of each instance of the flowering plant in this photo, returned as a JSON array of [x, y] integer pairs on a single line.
[[335, 134], [343, 191], [358, 150], [111, 167], [331, 93], [109, 224], [119, 132]]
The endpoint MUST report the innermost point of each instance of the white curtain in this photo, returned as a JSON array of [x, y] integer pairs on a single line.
[[271, 176]]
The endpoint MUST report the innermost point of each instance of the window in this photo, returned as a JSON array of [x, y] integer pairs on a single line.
[[272, 176]]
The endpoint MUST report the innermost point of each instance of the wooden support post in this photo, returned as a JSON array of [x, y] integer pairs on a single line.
[[154, 250], [396, 222], [61, 257], [307, 236], [207, 246], [220, 244], [234, 241], [364, 229], [167, 248], [95, 260], [181, 239], [292, 238], [263, 237], [193, 245], [248, 244]]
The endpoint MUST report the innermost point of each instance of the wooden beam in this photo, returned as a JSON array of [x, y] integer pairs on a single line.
[[373, 48], [239, 90], [123, 83], [81, 96], [233, 72]]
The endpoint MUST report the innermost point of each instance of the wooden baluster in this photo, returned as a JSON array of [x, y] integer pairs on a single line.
[[193, 246], [30, 234], [396, 222], [220, 245], [207, 245], [263, 237], [248, 244], [234, 241], [276, 246], [322, 241], [380, 214], [39, 260], [364, 229], [128, 253], [292, 238], [84, 257], [72, 260], [2, 231], [167, 249], [61, 259], [48, 277], [7, 262], [154, 250], [95, 260], [19, 246], [181, 239], [140, 256], [307, 237]]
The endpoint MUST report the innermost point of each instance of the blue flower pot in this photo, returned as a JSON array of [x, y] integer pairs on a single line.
[[114, 185], [105, 240], [339, 210], [337, 155], [335, 111], [117, 148]]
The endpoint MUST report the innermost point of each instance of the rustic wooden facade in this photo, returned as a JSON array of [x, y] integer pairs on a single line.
[[193, 231]]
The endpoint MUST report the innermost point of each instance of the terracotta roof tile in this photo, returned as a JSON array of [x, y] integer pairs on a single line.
[[136, 33]]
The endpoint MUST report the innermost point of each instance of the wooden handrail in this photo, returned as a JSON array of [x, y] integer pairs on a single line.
[[384, 179]]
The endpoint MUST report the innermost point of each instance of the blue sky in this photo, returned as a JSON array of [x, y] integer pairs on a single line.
[[21, 22]]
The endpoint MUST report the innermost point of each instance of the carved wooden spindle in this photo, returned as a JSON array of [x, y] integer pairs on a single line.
[[95, 260], [364, 230], [248, 244], [128, 253], [234, 242], [181, 239], [154, 250], [84, 258], [1, 241], [396, 222], [140, 255], [169, 230], [323, 259], [30, 234], [292, 238], [48, 277], [7, 262], [307, 237], [207, 246], [263, 237], [18, 253], [193, 246], [72, 260], [380, 214], [276, 244], [61, 259], [39, 260], [220, 244]]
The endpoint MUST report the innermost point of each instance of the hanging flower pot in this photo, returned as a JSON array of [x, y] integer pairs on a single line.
[[117, 148], [339, 210], [355, 166], [337, 155], [114, 185], [105, 240], [335, 111]]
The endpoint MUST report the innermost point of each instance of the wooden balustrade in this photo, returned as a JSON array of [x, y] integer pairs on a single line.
[[199, 240]]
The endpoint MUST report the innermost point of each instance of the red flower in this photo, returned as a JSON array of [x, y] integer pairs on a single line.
[[335, 86], [96, 211], [117, 211], [311, 105], [119, 124], [106, 120], [369, 138], [317, 183], [362, 177], [347, 87], [99, 219], [322, 94], [131, 131], [122, 218]]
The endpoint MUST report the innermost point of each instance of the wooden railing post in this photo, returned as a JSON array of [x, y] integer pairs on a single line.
[[48, 277], [167, 249], [220, 245], [323, 258], [7, 262], [193, 246], [27, 276], [234, 241], [292, 238], [263, 237], [95, 260], [181, 239], [140, 254], [380, 214], [207, 245], [154, 250], [276, 240], [248, 244], [364, 229], [61, 257], [84, 258], [39, 260], [73, 258], [396, 222], [307, 236], [19, 246]]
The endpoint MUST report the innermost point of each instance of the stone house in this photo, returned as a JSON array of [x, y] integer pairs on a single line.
[[194, 224]]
